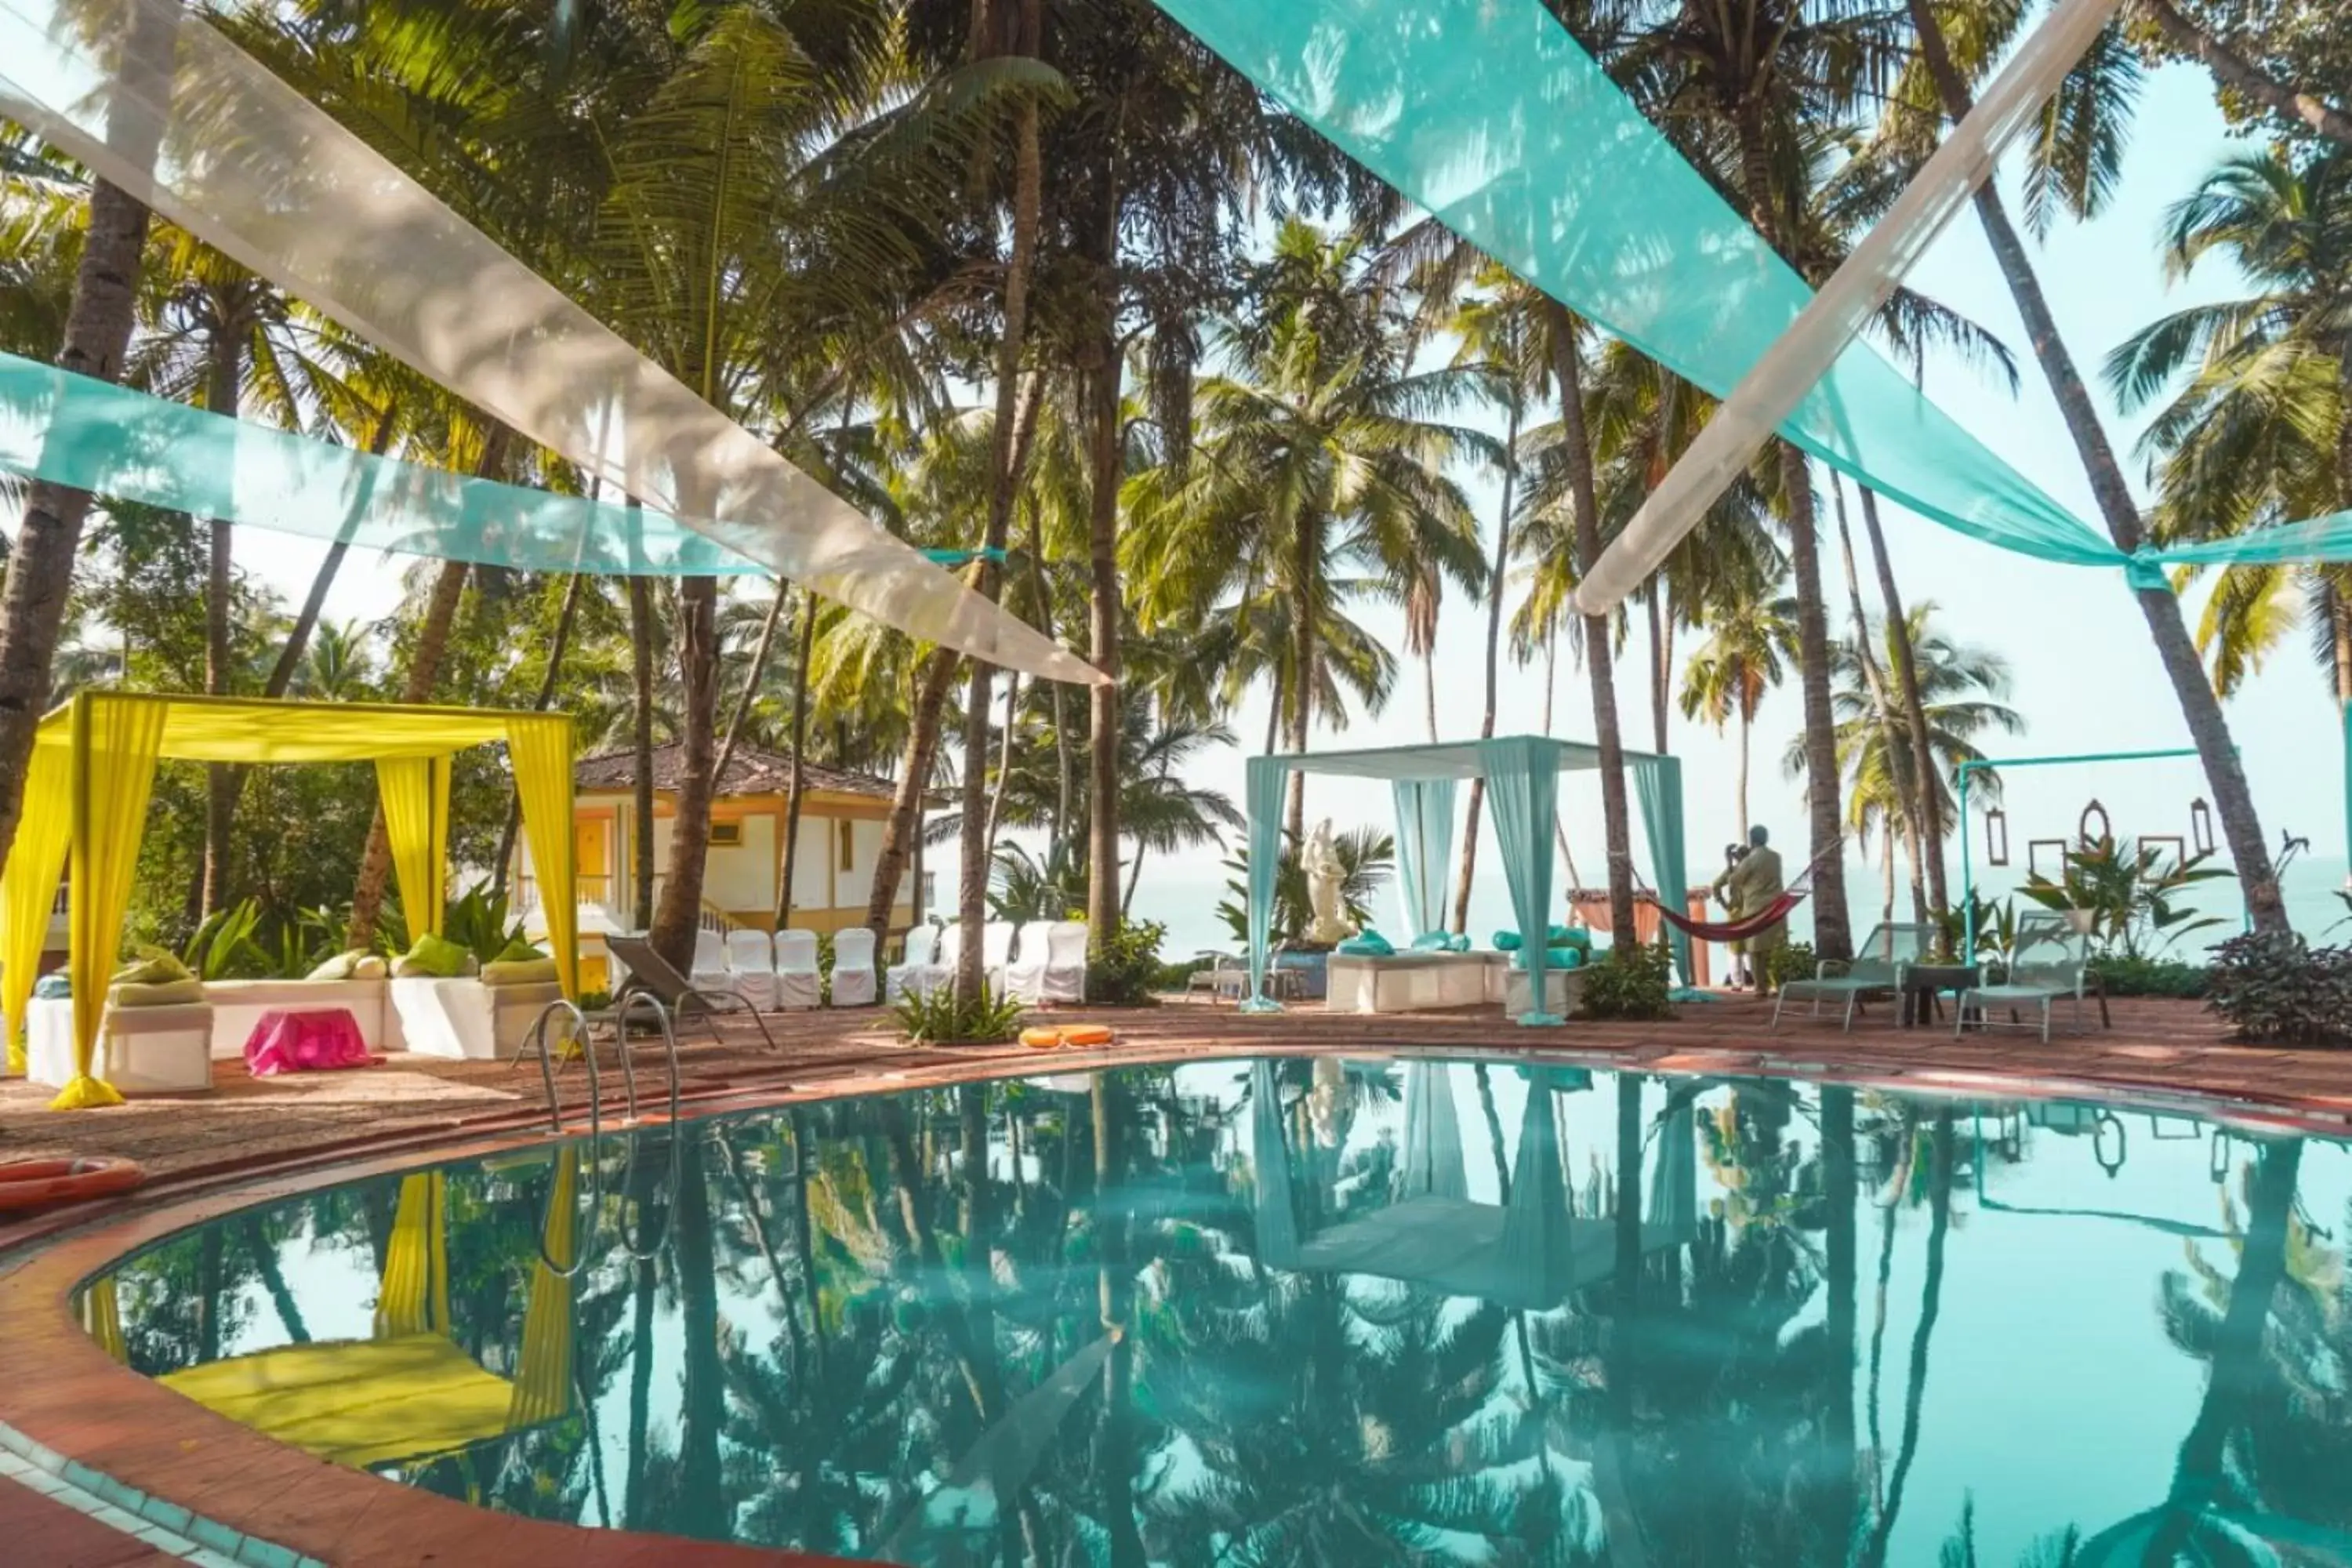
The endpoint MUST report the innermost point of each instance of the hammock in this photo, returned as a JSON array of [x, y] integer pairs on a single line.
[[1747, 926]]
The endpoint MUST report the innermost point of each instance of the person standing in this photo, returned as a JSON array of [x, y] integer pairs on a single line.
[[1748, 886]]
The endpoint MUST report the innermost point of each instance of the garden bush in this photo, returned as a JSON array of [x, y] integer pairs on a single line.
[[937, 1018], [2279, 990], [1791, 960], [1634, 982], [1124, 969], [2126, 977]]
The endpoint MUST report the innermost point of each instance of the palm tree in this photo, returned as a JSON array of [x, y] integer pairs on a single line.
[[2224, 771], [2260, 433], [1751, 641], [1320, 456], [1960, 691]]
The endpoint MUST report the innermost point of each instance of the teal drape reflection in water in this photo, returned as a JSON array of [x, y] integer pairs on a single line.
[[1362, 1310]]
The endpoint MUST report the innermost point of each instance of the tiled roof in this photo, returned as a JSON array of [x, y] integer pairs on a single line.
[[749, 771]]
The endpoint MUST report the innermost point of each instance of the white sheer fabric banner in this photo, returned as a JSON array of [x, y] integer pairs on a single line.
[[1780, 381], [254, 169]]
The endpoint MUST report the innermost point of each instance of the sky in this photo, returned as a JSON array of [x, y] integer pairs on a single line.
[[2084, 674]]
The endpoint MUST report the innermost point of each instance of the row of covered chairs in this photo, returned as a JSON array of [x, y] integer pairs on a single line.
[[1039, 963], [782, 972]]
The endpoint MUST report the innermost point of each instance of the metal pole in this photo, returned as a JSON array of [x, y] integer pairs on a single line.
[[1968, 875]]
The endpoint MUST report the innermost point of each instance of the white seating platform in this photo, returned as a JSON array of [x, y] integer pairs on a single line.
[[1412, 982]]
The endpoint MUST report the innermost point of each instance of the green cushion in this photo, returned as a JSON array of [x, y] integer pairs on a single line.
[[435, 956], [161, 994], [518, 952], [155, 967], [519, 971]]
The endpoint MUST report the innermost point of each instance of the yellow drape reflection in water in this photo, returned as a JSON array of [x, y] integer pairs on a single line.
[[542, 1385], [415, 794], [115, 744], [29, 891], [415, 1295]]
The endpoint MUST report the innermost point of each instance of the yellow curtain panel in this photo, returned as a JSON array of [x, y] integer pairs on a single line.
[[539, 747], [115, 742], [415, 794], [29, 890]]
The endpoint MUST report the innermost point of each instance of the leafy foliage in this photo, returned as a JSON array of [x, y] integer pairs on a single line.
[[2126, 977], [935, 1017], [477, 919], [2130, 895], [1791, 961], [1124, 969], [2279, 990], [1634, 982], [1366, 857]]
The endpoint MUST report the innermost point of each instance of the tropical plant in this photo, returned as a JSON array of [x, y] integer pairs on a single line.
[[1751, 641], [940, 1015], [2127, 897], [1366, 857], [1124, 969], [1633, 982]]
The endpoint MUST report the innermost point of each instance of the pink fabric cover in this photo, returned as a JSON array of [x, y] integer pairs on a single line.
[[312, 1040]]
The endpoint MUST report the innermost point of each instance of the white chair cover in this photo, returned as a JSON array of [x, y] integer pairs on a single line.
[[798, 983], [997, 951], [918, 973], [751, 966], [1066, 962], [949, 958], [853, 967], [1024, 977], [710, 972]]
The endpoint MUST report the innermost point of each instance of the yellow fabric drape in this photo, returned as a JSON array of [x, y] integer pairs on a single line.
[[415, 1296], [542, 1385], [28, 890], [102, 1319], [115, 744], [415, 794], [540, 748]]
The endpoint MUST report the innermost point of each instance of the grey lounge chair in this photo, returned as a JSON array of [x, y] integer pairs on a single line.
[[1876, 969], [2049, 962], [652, 974]]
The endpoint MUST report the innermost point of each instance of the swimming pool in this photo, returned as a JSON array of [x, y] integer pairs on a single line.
[[1327, 1310]]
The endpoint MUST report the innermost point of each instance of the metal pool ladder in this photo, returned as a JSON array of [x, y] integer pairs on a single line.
[[635, 1002]]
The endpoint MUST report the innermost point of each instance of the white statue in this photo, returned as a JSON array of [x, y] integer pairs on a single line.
[[1320, 861]]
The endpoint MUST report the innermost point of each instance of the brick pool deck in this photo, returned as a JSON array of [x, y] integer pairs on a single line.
[[252, 1140]]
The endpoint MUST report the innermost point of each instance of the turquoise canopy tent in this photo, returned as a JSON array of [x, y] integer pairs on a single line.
[[1522, 775]]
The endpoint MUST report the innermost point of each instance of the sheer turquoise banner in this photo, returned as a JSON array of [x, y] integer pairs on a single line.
[[113, 441], [1493, 118]]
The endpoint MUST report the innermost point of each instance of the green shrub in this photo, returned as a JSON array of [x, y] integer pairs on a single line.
[[937, 1018], [2279, 990], [1123, 970], [1634, 982], [2125, 977], [1791, 960]]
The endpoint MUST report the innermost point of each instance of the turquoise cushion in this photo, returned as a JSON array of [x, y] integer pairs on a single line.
[[1554, 958], [1575, 937], [1507, 941], [53, 986], [1459, 944], [1367, 944], [1433, 941]]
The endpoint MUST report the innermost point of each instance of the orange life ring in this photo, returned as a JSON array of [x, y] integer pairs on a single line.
[[1087, 1035], [1041, 1039], [31, 1183]]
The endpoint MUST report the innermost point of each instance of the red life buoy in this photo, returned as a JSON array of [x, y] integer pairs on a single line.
[[31, 1183]]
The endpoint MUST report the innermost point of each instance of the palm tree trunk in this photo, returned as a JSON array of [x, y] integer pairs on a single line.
[[1307, 555], [677, 913], [423, 668], [1105, 715], [931, 697], [1931, 1296], [641, 742], [1516, 412], [98, 330], [1882, 703], [1886, 867], [1576, 447], [1004, 755], [2224, 771], [224, 386], [1740, 780], [1058, 847], [800, 750], [314, 602], [1833, 932], [540, 704], [1027, 187], [1926, 776], [1659, 655], [2243, 78], [752, 676]]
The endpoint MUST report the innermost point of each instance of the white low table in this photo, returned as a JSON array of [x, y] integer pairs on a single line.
[[141, 1050], [1407, 982]]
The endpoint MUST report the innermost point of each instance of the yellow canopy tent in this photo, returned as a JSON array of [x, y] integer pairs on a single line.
[[408, 1393], [93, 769]]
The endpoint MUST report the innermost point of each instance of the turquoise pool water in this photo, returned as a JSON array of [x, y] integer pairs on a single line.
[[1335, 1311]]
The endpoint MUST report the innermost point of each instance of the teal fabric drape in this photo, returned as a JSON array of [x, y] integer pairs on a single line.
[[1262, 797], [1424, 812], [1522, 796], [2348, 780], [1277, 1216], [1658, 781], [1432, 1162]]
